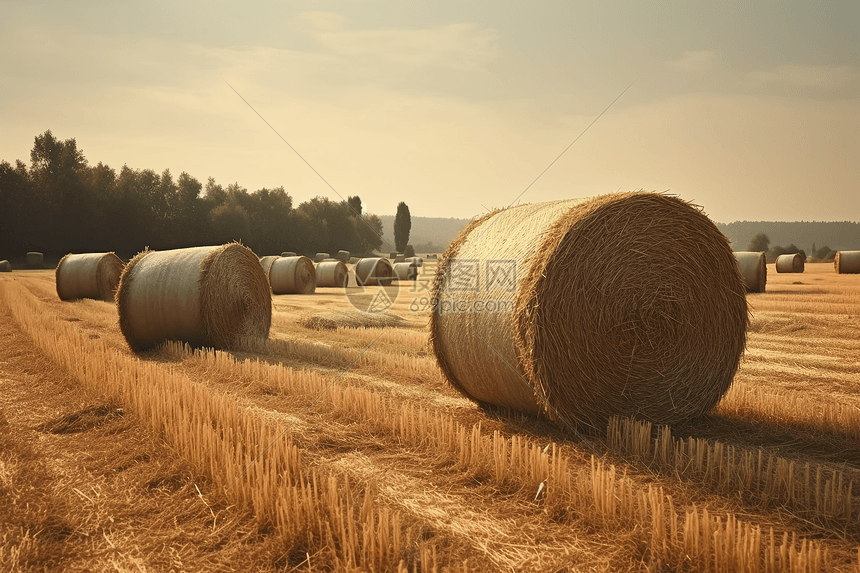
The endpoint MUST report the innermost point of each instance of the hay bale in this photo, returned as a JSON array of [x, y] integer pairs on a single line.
[[753, 268], [393, 255], [288, 254], [90, 275], [293, 275], [266, 263], [206, 296], [5, 266], [354, 260], [352, 319], [35, 260], [400, 258], [792, 263], [432, 256], [320, 257], [419, 262], [406, 271], [343, 256], [374, 272], [847, 262], [628, 304], [331, 274]]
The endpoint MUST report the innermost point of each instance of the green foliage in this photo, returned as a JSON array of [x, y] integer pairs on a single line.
[[409, 252], [355, 204], [402, 226], [823, 252], [774, 252], [759, 243]]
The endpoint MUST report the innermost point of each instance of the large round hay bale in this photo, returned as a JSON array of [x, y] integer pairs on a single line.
[[293, 275], [320, 257], [847, 262], [792, 263], [206, 296], [266, 262], [288, 254], [5, 266], [343, 256], [35, 260], [89, 275], [331, 274], [753, 268], [374, 272], [628, 304], [406, 271]]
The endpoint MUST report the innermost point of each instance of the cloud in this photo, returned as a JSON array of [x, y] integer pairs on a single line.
[[828, 78], [696, 61]]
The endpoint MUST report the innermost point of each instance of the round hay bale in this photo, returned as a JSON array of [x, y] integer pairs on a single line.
[[393, 255], [792, 263], [293, 275], [266, 262], [419, 262], [331, 274], [406, 271], [374, 272], [628, 304], [214, 296], [320, 257], [5, 266], [35, 260], [847, 262], [90, 275], [432, 256], [288, 254], [753, 268], [343, 256], [354, 260]]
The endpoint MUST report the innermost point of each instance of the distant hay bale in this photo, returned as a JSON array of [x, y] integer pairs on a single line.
[[320, 257], [792, 263], [266, 263], [628, 304], [205, 296], [90, 275], [753, 268], [393, 255], [331, 274], [343, 256], [400, 258], [432, 256], [288, 254], [293, 275], [354, 260], [374, 272], [5, 266], [419, 262], [351, 319], [35, 260], [406, 271], [847, 262]]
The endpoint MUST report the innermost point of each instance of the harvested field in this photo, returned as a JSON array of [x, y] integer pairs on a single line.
[[343, 449]]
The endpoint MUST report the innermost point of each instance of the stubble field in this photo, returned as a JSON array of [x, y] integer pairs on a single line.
[[345, 449]]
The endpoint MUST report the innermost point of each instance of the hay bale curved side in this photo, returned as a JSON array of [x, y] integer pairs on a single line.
[[753, 268], [266, 262], [628, 304], [293, 275], [214, 296], [373, 272], [88, 275], [847, 262], [792, 263], [35, 260], [5, 266], [406, 271], [331, 274]]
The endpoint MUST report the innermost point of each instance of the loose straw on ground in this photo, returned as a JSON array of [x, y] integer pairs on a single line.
[[293, 275], [331, 274], [847, 262], [206, 296], [89, 275], [753, 268], [792, 263], [627, 304]]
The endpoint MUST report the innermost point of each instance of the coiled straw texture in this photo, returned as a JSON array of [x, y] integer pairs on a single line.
[[628, 304], [206, 296], [753, 268], [847, 262], [374, 272], [89, 275]]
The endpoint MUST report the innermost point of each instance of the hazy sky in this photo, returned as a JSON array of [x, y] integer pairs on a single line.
[[749, 109]]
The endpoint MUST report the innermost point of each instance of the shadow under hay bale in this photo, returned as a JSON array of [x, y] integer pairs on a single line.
[[89, 275], [847, 262], [206, 296], [628, 304], [331, 274], [35, 260], [374, 272], [792, 263], [293, 275], [352, 319], [753, 268], [5, 266]]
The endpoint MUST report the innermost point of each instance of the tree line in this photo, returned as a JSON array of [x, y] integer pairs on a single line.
[[61, 204]]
